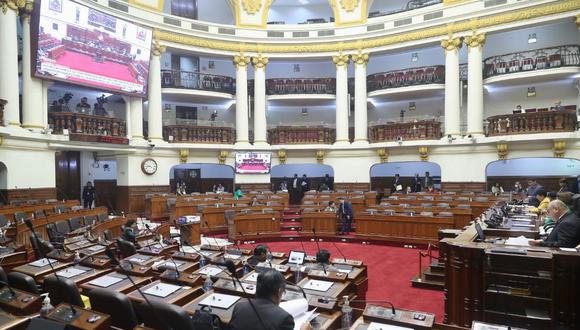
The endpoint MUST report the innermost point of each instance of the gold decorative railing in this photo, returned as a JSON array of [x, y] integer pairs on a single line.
[[301, 135], [418, 130], [532, 122], [198, 134]]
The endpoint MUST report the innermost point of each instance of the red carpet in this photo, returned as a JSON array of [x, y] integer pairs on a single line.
[[390, 270], [86, 63]]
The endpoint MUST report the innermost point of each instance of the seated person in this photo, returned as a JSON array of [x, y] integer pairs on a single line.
[[322, 262], [130, 231], [331, 207], [542, 196], [431, 190], [270, 288], [260, 255], [563, 183], [255, 202], [496, 189], [557, 106], [323, 187], [323, 257], [566, 232], [238, 193]]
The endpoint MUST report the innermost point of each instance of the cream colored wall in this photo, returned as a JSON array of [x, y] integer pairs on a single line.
[[28, 168]]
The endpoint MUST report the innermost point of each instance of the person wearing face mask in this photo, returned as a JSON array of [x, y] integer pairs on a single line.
[[566, 232]]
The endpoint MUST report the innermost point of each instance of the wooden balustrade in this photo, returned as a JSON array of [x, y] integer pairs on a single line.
[[419, 130], [300, 86], [199, 134], [78, 123], [301, 135], [531, 123], [2, 104]]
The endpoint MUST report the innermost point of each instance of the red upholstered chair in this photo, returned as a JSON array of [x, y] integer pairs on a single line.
[[541, 62], [555, 61], [501, 67], [419, 76], [514, 66], [528, 64]]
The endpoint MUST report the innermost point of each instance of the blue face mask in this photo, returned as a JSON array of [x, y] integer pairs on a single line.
[[548, 220]]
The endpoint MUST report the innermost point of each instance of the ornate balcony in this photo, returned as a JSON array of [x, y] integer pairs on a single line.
[[88, 128], [301, 135], [198, 134], [416, 130], [532, 122], [283, 86], [196, 80], [406, 77], [538, 59]]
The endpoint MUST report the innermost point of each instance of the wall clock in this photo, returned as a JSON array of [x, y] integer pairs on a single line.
[[149, 166]]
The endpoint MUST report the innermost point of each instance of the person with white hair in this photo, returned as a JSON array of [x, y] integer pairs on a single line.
[[566, 233]]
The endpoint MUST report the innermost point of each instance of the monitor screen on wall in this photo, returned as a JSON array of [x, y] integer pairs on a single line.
[[253, 162], [85, 46]]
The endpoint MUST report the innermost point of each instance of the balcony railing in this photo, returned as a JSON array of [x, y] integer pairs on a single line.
[[539, 59], [411, 5], [2, 104], [406, 77], [539, 121], [88, 128], [282, 86], [196, 80], [416, 130], [198, 134], [301, 135]]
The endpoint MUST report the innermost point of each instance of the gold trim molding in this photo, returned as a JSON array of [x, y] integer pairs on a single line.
[[282, 156], [424, 153], [383, 154], [360, 58], [475, 40], [183, 156], [430, 32], [12, 4], [222, 156], [349, 5], [259, 61], [340, 60], [559, 149], [502, 151], [251, 7], [241, 61], [320, 156]]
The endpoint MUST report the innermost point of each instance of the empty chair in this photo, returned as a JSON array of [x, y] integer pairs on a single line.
[[385, 204], [273, 204], [462, 198], [166, 317], [107, 235], [51, 201], [463, 206], [40, 247], [445, 214], [3, 276], [32, 201], [481, 199], [53, 235], [90, 220], [411, 197], [16, 203], [246, 211], [308, 203], [428, 198], [267, 210], [102, 217], [253, 192], [229, 215], [19, 217], [59, 209], [62, 227], [393, 197], [171, 202], [404, 205], [22, 282], [115, 304], [39, 214], [341, 191], [445, 205], [242, 204], [3, 221], [126, 248], [75, 223], [426, 214], [389, 212], [371, 211], [76, 208], [309, 210], [446, 198], [62, 290], [426, 205], [450, 193]]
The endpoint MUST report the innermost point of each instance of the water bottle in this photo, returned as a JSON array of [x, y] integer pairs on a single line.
[[77, 258], [46, 306], [207, 284], [346, 314], [297, 275], [201, 262], [246, 268]]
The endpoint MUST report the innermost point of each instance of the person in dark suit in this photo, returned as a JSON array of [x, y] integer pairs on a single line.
[[346, 215], [294, 189], [270, 288], [88, 195], [130, 231], [397, 185], [416, 183], [304, 184], [427, 180], [260, 255], [328, 181], [566, 233]]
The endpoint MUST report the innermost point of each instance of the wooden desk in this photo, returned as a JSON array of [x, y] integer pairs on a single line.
[[158, 249], [403, 228], [80, 320], [325, 223], [87, 275], [222, 274], [38, 273], [225, 315], [254, 225], [333, 294], [8, 321], [190, 233], [21, 303], [179, 297], [124, 286]]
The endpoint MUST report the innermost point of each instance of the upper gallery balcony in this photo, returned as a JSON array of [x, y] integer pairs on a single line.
[[426, 129], [204, 132], [196, 83], [533, 65], [87, 126], [534, 121], [428, 78], [320, 134]]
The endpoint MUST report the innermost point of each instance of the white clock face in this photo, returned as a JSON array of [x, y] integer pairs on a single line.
[[149, 166]]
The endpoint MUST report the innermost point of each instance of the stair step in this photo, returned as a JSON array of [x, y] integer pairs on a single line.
[[428, 275], [437, 267], [418, 282]]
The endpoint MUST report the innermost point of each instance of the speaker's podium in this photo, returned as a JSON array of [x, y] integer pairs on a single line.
[[189, 230], [380, 315]]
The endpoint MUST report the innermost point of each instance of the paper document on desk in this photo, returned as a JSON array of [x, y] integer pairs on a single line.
[[521, 240], [219, 300], [210, 270], [318, 285], [70, 272], [380, 326], [106, 281], [162, 290], [298, 308], [42, 262]]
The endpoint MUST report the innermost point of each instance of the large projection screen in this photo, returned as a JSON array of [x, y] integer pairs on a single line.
[[84, 46]]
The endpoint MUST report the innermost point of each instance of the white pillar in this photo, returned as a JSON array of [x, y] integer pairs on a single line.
[[260, 125], [475, 84], [33, 117], [341, 62], [135, 128], [241, 62], [452, 102], [9, 62], [360, 98], [155, 117]]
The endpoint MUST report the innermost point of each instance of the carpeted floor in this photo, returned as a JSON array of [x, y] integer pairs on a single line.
[[85, 63], [390, 270]]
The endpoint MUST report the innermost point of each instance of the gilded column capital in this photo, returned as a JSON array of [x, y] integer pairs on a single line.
[[502, 150], [424, 153], [451, 44], [183, 155], [578, 21], [360, 58], [222, 156], [340, 60], [282, 156], [241, 61], [383, 154], [559, 149], [11, 4], [156, 48], [320, 156], [26, 11], [259, 62], [475, 40]]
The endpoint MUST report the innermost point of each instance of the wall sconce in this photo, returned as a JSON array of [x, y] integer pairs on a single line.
[[304, 112], [414, 57], [412, 106], [531, 92], [282, 156], [532, 38]]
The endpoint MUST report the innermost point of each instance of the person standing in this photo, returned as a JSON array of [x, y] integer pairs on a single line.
[[295, 189], [238, 193], [416, 184], [397, 186], [88, 195], [328, 181], [346, 215], [427, 180]]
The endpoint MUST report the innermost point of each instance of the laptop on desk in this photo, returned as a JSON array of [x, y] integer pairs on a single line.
[[481, 236]]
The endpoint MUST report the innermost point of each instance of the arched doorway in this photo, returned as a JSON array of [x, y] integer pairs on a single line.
[[202, 178], [546, 170], [383, 174]]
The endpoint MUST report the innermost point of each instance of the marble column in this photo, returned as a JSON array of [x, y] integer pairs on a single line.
[[475, 84], [452, 100], [260, 124], [360, 98], [155, 118], [241, 62], [9, 61], [341, 62], [136, 113], [33, 117]]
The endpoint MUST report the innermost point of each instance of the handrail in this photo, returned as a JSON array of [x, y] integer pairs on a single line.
[[415, 130], [406, 77], [198, 134], [197, 80], [79, 123], [278, 86], [429, 254], [538, 121], [301, 135]]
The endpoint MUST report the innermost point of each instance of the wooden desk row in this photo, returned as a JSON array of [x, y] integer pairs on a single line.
[[28, 210]]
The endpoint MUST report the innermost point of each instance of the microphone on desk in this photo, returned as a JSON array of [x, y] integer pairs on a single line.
[[287, 283], [201, 256], [337, 249], [318, 246], [12, 292], [215, 239]]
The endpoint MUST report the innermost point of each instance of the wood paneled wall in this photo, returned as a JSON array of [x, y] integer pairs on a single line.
[[206, 185], [550, 183], [27, 194], [255, 186], [68, 174], [106, 194], [463, 186], [131, 199]]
